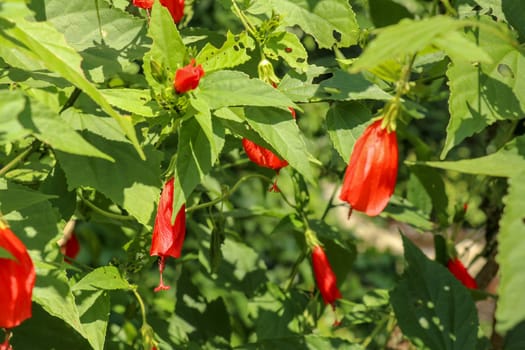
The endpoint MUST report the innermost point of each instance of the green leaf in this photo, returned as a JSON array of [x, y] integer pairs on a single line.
[[309, 342], [94, 308], [14, 9], [483, 94], [288, 47], [511, 250], [330, 22], [387, 12], [345, 122], [231, 88], [130, 100], [432, 306], [507, 162], [12, 103], [16, 197], [102, 278], [48, 46], [195, 158], [130, 181], [409, 37], [233, 52], [402, 210], [514, 10], [344, 86]]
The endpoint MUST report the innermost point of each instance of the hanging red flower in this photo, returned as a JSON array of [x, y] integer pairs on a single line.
[[167, 238], [145, 4], [71, 248], [325, 276], [456, 267], [370, 177], [17, 279], [187, 78], [176, 8]]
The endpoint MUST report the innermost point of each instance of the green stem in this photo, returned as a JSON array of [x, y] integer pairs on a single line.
[[141, 304], [71, 100], [374, 333], [295, 269], [450, 10], [105, 212], [244, 20], [329, 205], [14, 162]]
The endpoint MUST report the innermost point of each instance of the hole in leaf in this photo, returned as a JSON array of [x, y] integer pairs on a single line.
[[337, 36]]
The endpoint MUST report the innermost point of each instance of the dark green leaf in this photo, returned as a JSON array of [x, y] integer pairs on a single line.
[[16, 197]]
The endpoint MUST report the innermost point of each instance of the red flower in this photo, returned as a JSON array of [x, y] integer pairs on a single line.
[[167, 238], [17, 279], [324, 276], [145, 4], [187, 78], [176, 8], [71, 248], [456, 267], [371, 174]]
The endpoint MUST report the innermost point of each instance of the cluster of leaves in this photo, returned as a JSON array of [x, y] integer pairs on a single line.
[[90, 124]]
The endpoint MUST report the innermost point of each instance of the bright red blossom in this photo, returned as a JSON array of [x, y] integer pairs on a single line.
[[176, 8], [187, 78], [324, 276], [17, 279], [370, 177], [167, 238], [456, 267], [145, 4]]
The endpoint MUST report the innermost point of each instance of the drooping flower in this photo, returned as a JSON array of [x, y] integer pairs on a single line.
[[456, 267], [176, 8], [167, 238], [187, 78], [370, 177], [17, 279], [145, 4], [71, 247], [325, 276]]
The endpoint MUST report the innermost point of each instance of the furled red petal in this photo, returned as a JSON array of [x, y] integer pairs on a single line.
[[262, 156], [72, 247], [145, 4], [167, 239], [324, 276], [456, 267], [17, 279], [187, 78], [176, 8], [370, 177]]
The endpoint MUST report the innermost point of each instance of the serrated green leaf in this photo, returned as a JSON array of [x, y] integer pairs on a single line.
[[409, 37], [330, 22], [16, 197], [12, 103], [432, 306], [344, 86], [102, 278], [130, 181], [511, 251], [130, 100], [507, 162], [483, 94], [345, 122], [297, 90], [233, 52], [48, 46], [288, 47], [195, 158], [231, 88]]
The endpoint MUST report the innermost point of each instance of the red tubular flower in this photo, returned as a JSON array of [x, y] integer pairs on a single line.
[[371, 174], [325, 277], [145, 4], [187, 78], [17, 279], [71, 248], [456, 267], [176, 8], [167, 238]]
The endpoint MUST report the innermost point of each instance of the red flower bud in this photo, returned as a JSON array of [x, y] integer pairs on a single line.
[[187, 78], [176, 8], [371, 174], [145, 4], [167, 238], [456, 267], [71, 248], [17, 279], [324, 276]]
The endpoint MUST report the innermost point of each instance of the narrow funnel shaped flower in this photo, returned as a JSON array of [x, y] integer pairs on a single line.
[[71, 248], [187, 78], [17, 279], [167, 238], [145, 4], [324, 276], [176, 8], [456, 267], [370, 177]]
